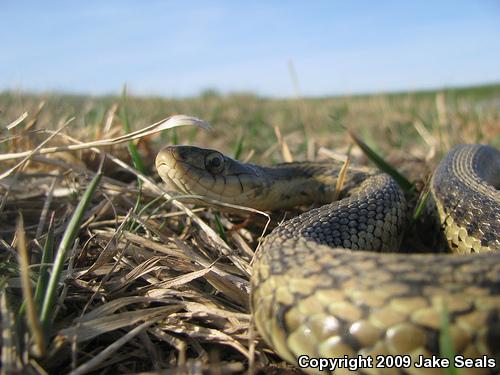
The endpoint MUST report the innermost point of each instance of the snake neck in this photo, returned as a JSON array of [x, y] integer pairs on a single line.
[[289, 185], [372, 218]]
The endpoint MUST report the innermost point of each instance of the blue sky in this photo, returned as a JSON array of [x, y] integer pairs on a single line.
[[179, 48]]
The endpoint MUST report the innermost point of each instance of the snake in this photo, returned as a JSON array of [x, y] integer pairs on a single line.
[[333, 282]]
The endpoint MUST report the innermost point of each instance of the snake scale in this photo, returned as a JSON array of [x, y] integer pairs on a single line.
[[332, 283]]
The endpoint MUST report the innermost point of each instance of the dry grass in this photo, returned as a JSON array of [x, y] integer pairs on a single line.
[[149, 283]]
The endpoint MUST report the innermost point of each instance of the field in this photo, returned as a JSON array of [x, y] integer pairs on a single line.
[[141, 282]]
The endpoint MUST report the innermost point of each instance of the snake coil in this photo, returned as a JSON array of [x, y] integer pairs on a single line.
[[324, 283]]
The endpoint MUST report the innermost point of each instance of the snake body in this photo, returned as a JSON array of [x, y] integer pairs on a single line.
[[328, 283]]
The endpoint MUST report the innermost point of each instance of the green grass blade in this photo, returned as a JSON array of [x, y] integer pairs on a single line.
[[445, 343], [419, 209], [175, 138], [134, 153], [47, 258], [239, 147], [132, 149], [406, 185], [62, 252], [220, 227]]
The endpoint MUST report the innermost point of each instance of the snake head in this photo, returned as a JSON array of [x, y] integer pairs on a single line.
[[206, 172]]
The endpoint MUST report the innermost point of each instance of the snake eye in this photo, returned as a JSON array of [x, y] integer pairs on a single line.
[[214, 162]]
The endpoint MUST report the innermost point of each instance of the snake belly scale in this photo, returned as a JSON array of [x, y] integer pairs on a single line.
[[330, 282]]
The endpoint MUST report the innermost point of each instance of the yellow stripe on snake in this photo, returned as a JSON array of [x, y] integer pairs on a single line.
[[328, 283]]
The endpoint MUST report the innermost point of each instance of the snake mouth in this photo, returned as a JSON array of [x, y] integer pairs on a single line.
[[173, 170]]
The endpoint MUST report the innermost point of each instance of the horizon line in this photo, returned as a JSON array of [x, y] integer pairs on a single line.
[[222, 93]]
